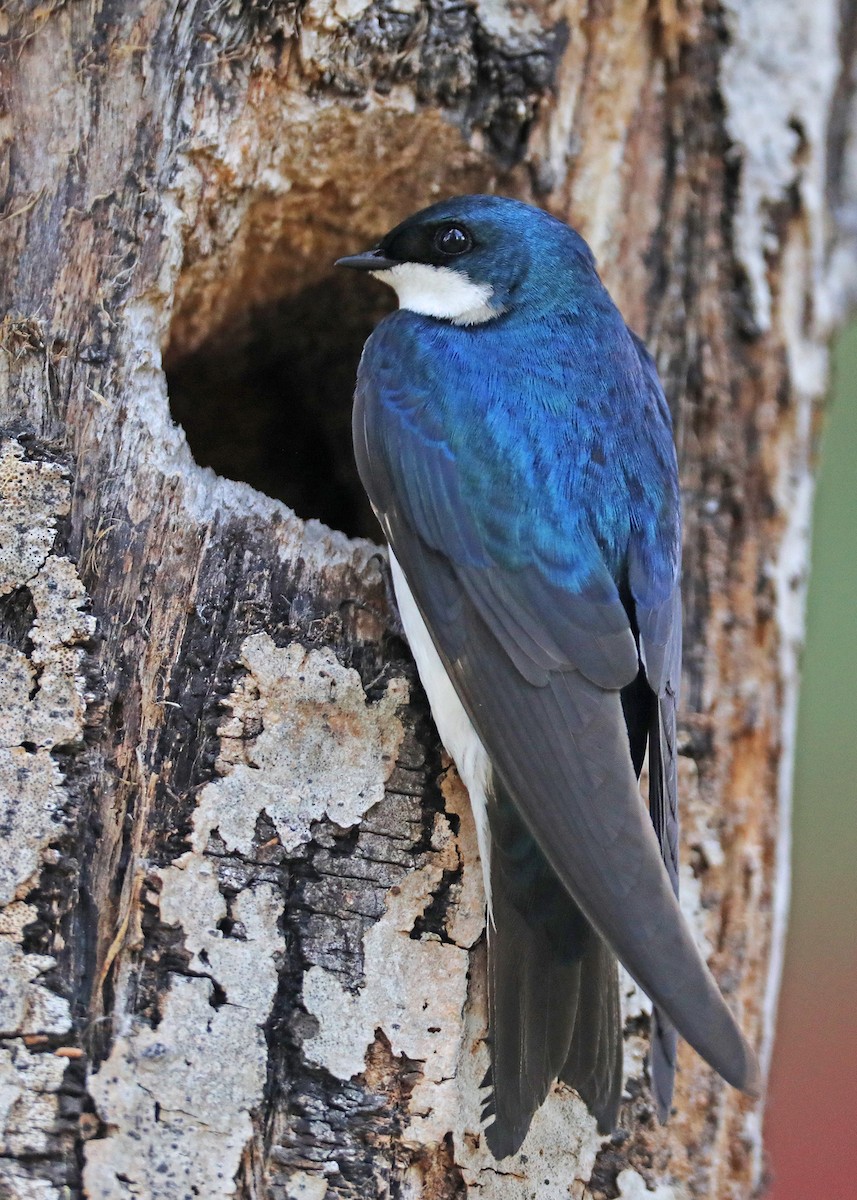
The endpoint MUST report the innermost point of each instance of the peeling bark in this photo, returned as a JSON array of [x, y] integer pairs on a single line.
[[241, 927]]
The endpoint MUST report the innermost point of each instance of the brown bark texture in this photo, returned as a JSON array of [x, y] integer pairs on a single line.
[[241, 918]]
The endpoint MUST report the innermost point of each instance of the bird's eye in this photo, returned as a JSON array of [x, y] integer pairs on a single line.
[[452, 239]]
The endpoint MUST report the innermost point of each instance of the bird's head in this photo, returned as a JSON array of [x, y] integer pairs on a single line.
[[473, 258]]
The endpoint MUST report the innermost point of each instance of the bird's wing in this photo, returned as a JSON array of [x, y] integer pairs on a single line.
[[538, 668], [655, 586]]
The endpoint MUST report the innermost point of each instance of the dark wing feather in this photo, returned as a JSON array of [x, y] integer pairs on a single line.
[[545, 628], [663, 808], [656, 596]]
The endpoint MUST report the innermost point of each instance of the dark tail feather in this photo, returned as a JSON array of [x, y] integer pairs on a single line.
[[662, 1063], [664, 812], [594, 1064], [553, 1000], [532, 1002]]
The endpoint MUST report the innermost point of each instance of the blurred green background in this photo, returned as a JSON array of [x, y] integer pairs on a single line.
[[810, 1124]]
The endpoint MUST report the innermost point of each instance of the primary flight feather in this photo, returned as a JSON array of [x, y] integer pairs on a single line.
[[515, 443]]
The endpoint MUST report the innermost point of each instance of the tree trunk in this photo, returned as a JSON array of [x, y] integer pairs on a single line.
[[242, 934]]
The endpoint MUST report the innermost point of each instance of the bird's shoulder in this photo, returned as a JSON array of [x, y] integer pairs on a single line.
[[549, 442]]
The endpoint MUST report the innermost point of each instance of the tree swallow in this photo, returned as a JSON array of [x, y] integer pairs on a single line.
[[514, 440]]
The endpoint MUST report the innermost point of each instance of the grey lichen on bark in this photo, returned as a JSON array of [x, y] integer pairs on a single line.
[[241, 902], [44, 642]]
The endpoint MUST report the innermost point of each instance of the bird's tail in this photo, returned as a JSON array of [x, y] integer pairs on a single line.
[[594, 1063], [662, 1062], [553, 991]]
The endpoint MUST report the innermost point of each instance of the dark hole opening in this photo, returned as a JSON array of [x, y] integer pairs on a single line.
[[270, 402], [17, 616]]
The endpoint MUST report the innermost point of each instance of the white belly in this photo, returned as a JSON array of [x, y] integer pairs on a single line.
[[461, 740]]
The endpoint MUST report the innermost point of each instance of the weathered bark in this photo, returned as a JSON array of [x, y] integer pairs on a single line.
[[242, 931]]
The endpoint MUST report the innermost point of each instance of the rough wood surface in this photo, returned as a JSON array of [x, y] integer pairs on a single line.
[[241, 927]]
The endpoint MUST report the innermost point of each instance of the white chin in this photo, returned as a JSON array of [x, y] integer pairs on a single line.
[[440, 292]]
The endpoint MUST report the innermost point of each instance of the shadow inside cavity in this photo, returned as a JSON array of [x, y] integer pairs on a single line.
[[270, 402]]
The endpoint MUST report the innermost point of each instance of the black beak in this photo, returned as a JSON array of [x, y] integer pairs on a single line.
[[371, 260]]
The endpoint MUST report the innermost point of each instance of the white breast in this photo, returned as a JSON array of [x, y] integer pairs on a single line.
[[440, 292], [461, 740]]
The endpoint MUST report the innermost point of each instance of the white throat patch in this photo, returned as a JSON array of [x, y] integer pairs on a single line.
[[440, 292]]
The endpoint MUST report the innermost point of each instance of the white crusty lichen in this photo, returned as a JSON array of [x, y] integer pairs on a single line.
[[321, 750], [777, 105], [300, 743], [301, 1186], [415, 990], [178, 1097], [42, 706], [632, 1186], [41, 709], [34, 493]]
